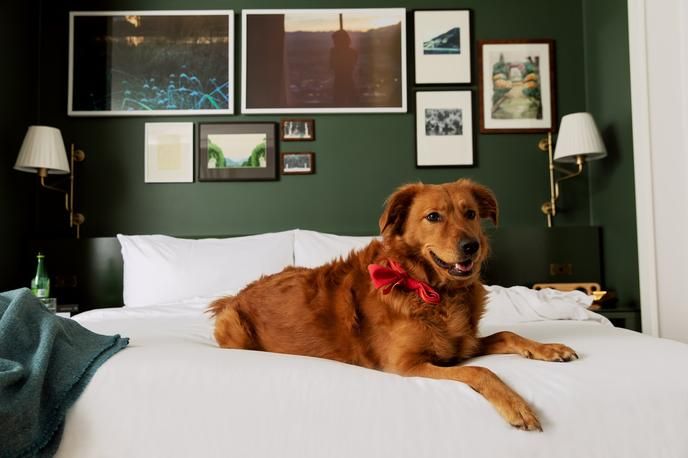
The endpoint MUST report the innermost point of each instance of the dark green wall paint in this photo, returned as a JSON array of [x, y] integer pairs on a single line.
[[18, 27], [608, 97], [360, 158]]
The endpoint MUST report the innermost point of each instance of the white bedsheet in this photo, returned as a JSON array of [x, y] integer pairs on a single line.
[[173, 393]]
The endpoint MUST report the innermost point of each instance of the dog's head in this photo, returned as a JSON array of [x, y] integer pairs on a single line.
[[438, 228]]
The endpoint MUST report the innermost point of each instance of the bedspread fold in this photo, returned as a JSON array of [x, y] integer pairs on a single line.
[[46, 361]]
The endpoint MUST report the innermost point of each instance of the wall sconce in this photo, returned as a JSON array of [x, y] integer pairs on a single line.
[[579, 141], [43, 152]]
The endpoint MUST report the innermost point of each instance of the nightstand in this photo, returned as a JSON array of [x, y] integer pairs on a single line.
[[67, 310], [628, 318]]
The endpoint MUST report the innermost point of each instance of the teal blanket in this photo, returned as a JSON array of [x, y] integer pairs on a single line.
[[46, 361]]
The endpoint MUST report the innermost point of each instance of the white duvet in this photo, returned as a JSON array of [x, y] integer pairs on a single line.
[[173, 393]]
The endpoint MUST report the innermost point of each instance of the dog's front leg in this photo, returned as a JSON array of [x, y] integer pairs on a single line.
[[507, 402], [506, 342]]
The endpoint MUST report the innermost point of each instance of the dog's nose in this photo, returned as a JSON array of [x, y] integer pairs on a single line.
[[468, 246]]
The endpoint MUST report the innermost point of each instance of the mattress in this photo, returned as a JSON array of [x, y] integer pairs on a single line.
[[174, 393]]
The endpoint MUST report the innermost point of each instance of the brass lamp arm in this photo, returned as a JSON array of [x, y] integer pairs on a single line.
[[53, 188]]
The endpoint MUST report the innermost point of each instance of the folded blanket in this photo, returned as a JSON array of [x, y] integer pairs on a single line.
[[519, 304], [45, 363]]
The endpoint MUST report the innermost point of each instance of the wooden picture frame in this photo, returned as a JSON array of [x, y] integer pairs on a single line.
[[517, 86], [143, 63], [236, 151], [297, 130], [339, 60], [442, 46], [297, 163], [444, 128]]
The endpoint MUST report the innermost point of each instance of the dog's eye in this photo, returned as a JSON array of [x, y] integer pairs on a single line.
[[470, 214], [433, 217]]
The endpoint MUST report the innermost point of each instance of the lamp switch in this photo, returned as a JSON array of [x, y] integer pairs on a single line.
[[556, 269]]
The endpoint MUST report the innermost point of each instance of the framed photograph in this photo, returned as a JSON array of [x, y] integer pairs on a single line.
[[298, 163], [517, 91], [323, 61], [168, 154], [442, 46], [444, 128], [151, 63], [238, 151], [297, 130]]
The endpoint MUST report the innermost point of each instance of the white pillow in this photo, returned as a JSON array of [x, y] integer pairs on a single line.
[[159, 269], [313, 249]]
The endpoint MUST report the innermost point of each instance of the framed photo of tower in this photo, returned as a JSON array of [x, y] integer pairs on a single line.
[[323, 61]]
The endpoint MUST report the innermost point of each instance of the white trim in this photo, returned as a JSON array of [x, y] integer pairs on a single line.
[[642, 164]]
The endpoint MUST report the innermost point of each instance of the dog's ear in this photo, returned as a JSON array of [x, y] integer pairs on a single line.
[[398, 204], [487, 202]]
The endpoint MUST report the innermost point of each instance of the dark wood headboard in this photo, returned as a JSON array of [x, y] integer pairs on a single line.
[[88, 272]]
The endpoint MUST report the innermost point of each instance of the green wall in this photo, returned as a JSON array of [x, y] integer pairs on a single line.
[[360, 158], [608, 97], [18, 27]]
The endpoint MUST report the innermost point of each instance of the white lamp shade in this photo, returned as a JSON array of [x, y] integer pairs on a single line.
[[578, 136], [42, 148]]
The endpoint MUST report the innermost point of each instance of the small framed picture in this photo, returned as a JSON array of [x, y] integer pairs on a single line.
[[168, 156], [442, 46], [444, 128], [297, 130], [516, 86], [236, 151], [298, 163]]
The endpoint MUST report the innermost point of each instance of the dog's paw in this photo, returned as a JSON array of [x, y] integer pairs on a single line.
[[551, 352], [519, 415]]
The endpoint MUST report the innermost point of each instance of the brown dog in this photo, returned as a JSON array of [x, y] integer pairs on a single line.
[[420, 320]]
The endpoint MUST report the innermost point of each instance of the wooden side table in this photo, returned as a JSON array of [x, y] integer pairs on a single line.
[[628, 318]]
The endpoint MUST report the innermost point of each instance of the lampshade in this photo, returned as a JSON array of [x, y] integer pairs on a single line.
[[578, 136], [42, 148]]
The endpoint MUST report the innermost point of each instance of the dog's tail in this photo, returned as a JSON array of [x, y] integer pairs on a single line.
[[218, 305]]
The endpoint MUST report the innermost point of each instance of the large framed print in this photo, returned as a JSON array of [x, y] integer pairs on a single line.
[[442, 46], [444, 128], [151, 63], [324, 61], [237, 151], [517, 90]]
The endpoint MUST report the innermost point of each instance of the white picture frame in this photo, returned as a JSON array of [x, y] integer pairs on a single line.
[[276, 79], [444, 128], [186, 69], [168, 156], [442, 46]]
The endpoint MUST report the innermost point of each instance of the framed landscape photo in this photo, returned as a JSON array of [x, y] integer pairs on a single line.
[[298, 163], [323, 61], [151, 63], [297, 130], [517, 90], [444, 128], [238, 151], [168, 154], [442, 46]]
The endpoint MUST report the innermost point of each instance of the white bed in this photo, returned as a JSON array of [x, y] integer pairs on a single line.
[[174, 393]]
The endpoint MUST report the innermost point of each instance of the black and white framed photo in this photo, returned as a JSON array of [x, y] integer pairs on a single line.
[[297, 130], [236, 151], [298, 163], [442, 46], [324, 61], [444, 128], [124, 63]]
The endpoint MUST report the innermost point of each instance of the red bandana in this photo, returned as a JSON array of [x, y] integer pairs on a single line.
[[395, 275]]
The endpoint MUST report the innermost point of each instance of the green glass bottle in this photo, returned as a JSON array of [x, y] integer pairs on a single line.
[[40, 285]]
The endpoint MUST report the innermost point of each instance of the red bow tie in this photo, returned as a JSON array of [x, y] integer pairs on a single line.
[[395, 275]]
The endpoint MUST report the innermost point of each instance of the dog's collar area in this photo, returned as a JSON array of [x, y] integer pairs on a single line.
[[457, 269], [390, 277]]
